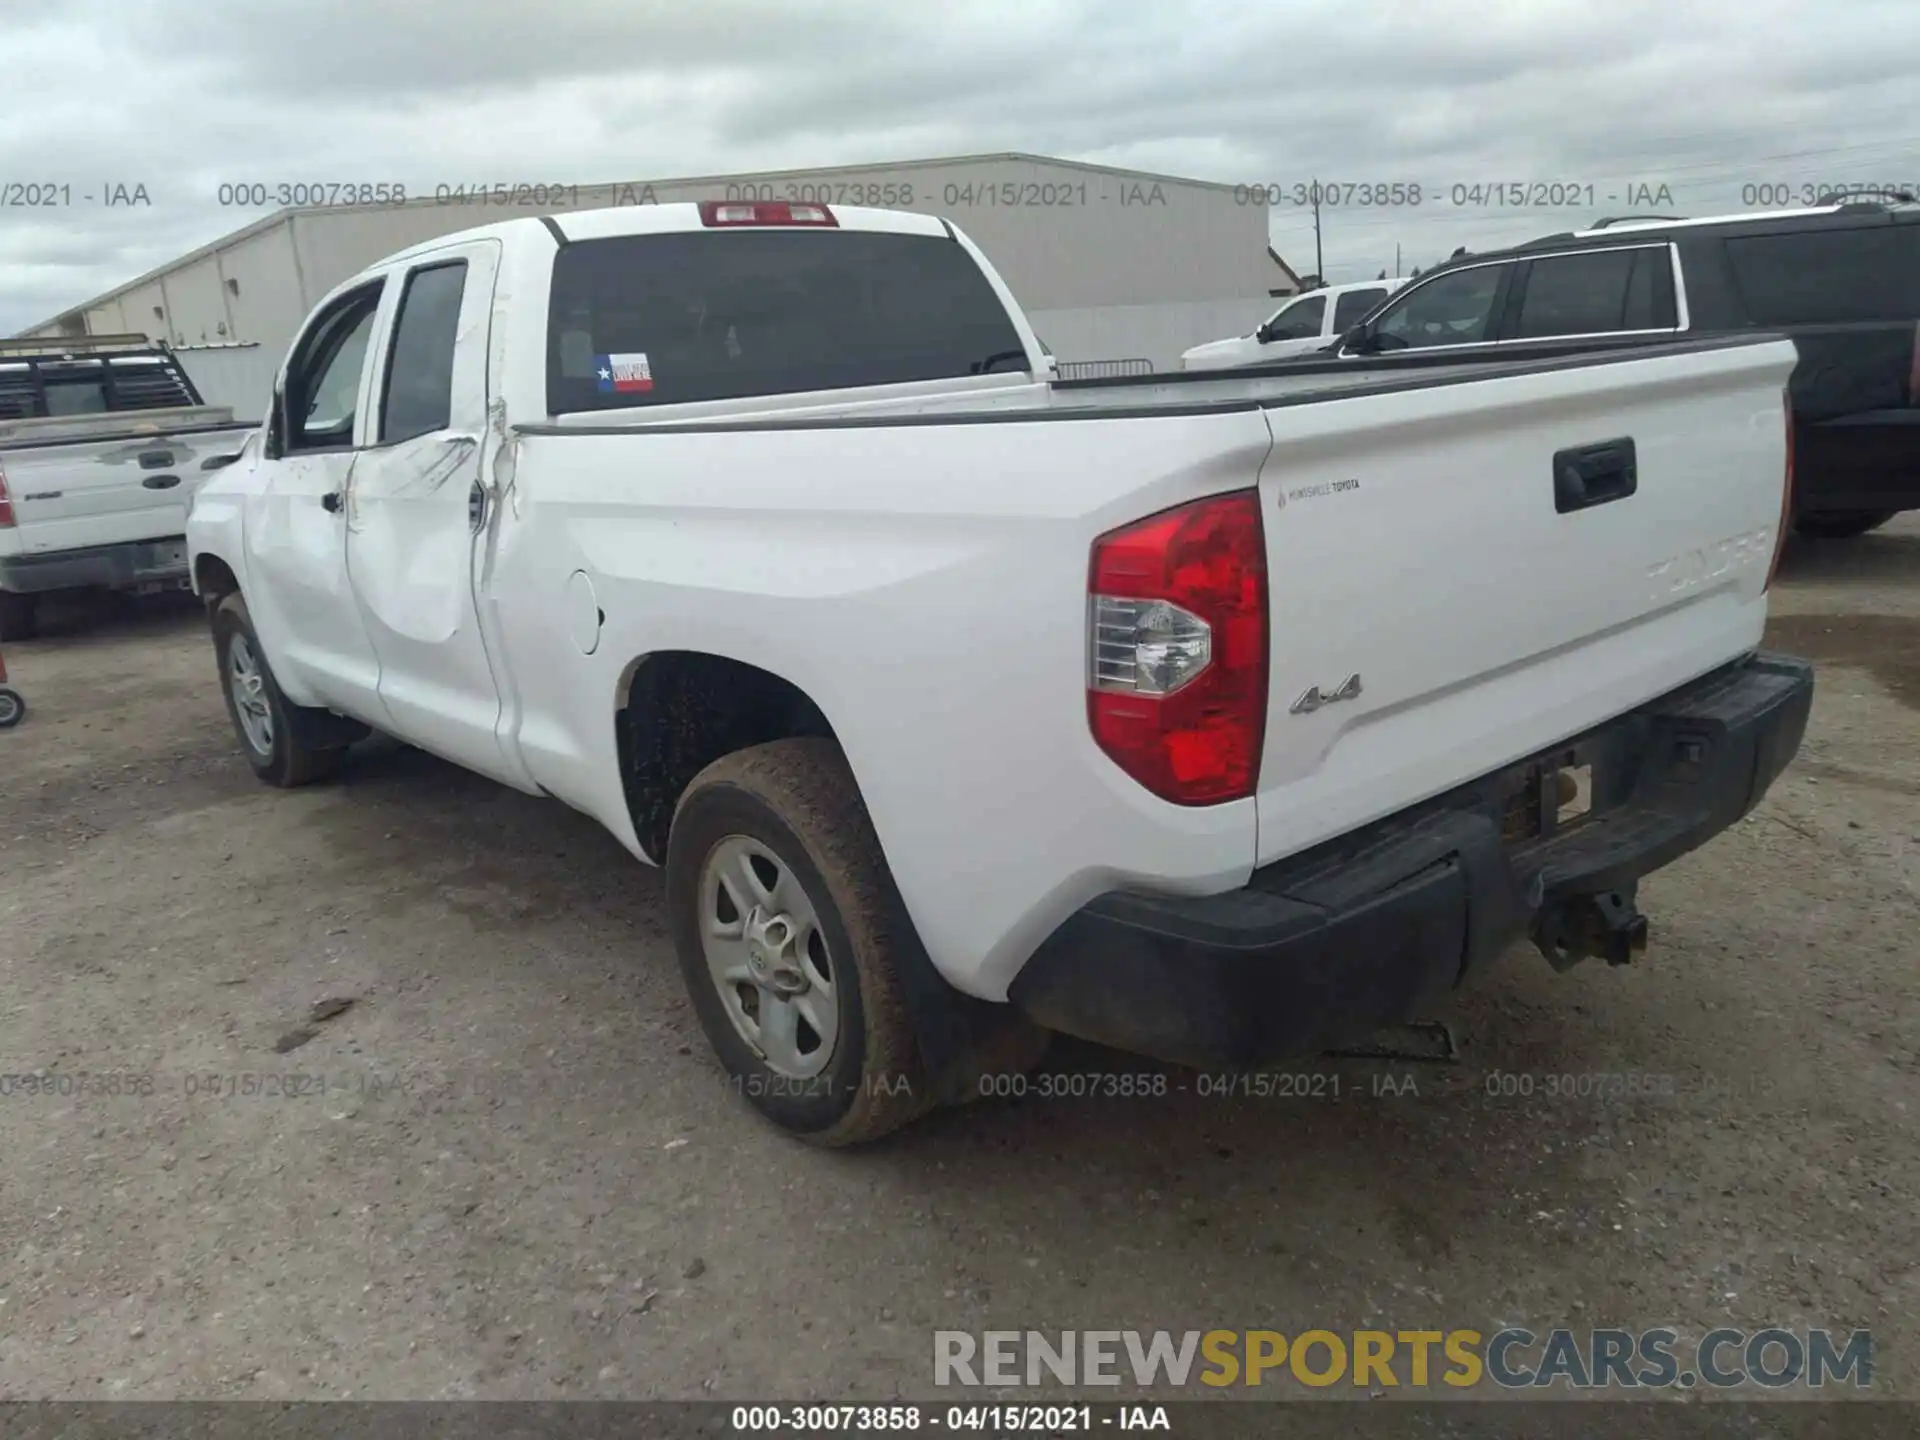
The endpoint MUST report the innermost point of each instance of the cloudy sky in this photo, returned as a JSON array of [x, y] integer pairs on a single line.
[[1709, 98]]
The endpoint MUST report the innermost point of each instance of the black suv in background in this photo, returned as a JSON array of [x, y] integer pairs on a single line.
[[1842, 281]]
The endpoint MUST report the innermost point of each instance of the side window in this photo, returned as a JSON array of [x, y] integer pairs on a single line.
[[419, 383], [1827, 276], [323, 382], [336, 389], [1453, 309], [1351, 308], [1299, 321], [1591, 294], [1643, 310]]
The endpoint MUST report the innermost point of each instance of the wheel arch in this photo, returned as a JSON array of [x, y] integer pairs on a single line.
[[678, 711], [213, 580]]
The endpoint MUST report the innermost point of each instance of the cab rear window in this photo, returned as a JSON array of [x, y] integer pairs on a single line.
[[705, 315]]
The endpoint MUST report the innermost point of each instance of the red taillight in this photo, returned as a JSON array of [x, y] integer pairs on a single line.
[[6, 503], [764, 212], [1177, 649], [1786, 494]]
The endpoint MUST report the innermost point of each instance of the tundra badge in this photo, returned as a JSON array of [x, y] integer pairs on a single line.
[[1315, 697]]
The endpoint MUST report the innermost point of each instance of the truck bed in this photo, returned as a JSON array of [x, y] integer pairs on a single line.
[[1414, 542], [1020, 397]]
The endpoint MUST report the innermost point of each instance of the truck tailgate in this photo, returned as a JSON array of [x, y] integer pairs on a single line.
[[85, 492], [1464, 575]]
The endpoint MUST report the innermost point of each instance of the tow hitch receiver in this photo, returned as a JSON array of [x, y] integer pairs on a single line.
[[1608, 925]]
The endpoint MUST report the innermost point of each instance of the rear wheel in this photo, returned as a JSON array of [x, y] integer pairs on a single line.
[[1841, 524], [272, 733], [777, 894], [12, 708], [18, 616]]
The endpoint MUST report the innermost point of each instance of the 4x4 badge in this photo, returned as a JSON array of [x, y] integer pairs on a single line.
[[1315, 697]]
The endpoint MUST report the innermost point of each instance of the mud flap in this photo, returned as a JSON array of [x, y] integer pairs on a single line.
[[962, 1038], [324, 730]]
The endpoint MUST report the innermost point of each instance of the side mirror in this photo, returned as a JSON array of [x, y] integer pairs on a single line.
[[1264, 334]]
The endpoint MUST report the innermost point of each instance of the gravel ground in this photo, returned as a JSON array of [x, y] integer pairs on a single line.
[[516, 1171]]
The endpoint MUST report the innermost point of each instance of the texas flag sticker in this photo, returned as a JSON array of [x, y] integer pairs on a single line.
[[622, 374]]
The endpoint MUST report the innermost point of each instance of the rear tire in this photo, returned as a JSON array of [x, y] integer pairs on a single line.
[[272, 732], [1841, 524], [775, 878], [12, 708], [19, 616]]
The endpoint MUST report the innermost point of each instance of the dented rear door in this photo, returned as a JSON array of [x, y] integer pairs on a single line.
[[417, 509]]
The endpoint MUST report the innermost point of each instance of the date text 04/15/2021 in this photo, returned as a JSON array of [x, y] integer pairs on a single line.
[[988, 1419], [1477, 194], [1206, 1085]]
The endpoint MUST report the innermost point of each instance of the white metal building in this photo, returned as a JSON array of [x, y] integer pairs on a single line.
[[1110, 264]]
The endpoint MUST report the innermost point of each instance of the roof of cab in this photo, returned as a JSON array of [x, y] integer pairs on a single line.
[[1390, 282], [672, 217], [685, 215]]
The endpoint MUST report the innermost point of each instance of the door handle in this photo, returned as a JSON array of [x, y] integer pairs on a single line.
[[156, 459], [1591, 475], [331, 501], [161, 482], [476, 508]]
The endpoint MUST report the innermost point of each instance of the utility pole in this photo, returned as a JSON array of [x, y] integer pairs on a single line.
[[1396, 259], [1319, 262]]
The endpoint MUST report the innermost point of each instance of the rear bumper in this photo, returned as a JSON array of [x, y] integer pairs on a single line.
[[1336, 943], [1862, 462], [133, 565]]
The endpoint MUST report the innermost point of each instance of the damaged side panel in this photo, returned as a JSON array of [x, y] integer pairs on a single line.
[[418, 505]]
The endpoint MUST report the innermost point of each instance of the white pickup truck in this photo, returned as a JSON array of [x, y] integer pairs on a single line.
[[1215, 718], [103, 441], [1306, 323]]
